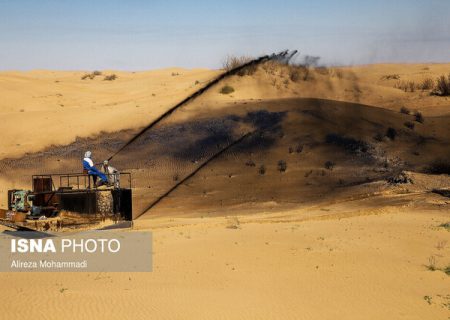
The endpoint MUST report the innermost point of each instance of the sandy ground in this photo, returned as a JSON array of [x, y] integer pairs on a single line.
[[346, 264], [360, 253], [43, 108]]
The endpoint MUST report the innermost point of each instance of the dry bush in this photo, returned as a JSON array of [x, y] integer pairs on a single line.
[[329, 165], [337, 73], [442, 86], [298, 73], [110, 77], [233, 223], [439, 166], [426, 84], [227, 89], [322, 70], [233, 62], [406, 86], [262, 170], [282, 166], [441, 244], [432, 264], [378, 137], [419, 117], [409, 125], [390, 77], [391, 133], [405, 110], [89, 76], [250, 163]]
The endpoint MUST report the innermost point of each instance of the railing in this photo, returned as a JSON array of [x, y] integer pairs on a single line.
[[76, 181]]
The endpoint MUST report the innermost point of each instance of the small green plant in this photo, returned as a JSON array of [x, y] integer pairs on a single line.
[[62, 290], [227, 89]]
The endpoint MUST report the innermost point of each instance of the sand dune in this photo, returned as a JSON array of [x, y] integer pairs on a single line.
[[303, 220]]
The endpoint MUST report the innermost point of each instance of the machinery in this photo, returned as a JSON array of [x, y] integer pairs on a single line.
[[55, 197]]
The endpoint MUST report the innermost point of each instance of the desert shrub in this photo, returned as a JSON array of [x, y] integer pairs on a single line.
[[405, 110], [262, 170], [248, 70], [431, 264], [250, 163], [110, 77], [447, 270], [338, 73], [391, 133], [390, 77], [406, 86], [349, 144], [89, 76], [409, 125], [227, 89], [299, 148], [282, 166], [291, 150], [329, 165], [197, 82], [439, 166], [426, 84], [233, 223], [442, 86], [294, 74], [378, 137], [322, 70], [299, 72], [231, 62], [419, 117]]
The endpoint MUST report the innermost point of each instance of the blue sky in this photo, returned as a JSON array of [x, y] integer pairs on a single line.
[[141, 35]]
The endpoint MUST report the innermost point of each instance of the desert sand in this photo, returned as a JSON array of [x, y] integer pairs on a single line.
[[314, 241]]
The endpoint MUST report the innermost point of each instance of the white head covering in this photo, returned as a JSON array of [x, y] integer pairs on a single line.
[[87, 154]]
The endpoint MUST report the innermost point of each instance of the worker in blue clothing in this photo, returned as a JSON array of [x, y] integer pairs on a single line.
[[89, 168]]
